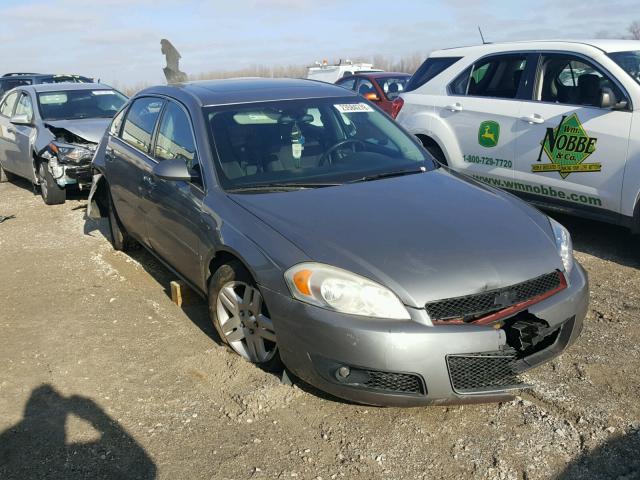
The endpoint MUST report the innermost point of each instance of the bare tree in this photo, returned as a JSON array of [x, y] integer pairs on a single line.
[[634, 30]]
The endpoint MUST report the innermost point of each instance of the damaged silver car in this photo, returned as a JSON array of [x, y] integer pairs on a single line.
[[49, 133]]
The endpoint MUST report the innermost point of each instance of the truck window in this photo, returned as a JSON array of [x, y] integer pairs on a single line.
[[571, 80], [497, 76], [431, 67]]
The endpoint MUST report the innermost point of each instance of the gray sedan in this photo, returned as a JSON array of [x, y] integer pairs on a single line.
[[326, 238]]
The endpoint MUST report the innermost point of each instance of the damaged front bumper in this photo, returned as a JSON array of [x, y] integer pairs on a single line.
[[68, 173], [408, 363]]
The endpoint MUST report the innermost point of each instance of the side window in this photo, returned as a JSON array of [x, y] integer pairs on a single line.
[[140, 122], [498, 76], [175, 137], [570, 80], [349, 83], [114, 129], [431, 68], [365, 86], [24, 106], [461, 83], [6, 109]]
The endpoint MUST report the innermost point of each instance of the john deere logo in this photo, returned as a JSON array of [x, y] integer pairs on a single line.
[[488, 134], [567, 147]]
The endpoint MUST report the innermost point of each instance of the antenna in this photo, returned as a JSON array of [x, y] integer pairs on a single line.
[[481, 36]]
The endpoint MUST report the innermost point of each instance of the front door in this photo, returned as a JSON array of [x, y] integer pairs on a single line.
[[8, 145], [482, 110], [174, 220], [575, 151], [24, 136]]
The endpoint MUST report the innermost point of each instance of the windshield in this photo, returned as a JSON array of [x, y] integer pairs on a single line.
[[309, 142], [629, 61], [76, 104]]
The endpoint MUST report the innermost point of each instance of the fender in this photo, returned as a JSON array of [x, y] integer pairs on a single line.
[[237, 241], [433, 126]]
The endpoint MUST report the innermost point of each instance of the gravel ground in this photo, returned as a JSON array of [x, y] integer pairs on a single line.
[[102, 376]]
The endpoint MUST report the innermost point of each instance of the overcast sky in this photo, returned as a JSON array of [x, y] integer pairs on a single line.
[[119, 40]]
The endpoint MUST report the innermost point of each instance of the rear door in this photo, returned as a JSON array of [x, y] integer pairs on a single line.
[[570, 149], [174, 221], [8, 146], [482, 110], [128, 162]]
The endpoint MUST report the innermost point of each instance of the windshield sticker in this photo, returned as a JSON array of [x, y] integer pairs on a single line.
[[52, 98], [353, 107], [489, 133], [567, 147], [103, 92]]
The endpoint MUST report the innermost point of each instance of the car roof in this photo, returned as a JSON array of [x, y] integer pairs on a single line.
[[604, 45], [247, 90], [61, 87]]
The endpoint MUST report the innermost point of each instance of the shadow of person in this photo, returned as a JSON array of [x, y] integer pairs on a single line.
[[37, 446], [616, 459]]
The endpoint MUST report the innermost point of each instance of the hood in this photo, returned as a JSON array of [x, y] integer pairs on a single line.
[[426, 236], [90, 129]]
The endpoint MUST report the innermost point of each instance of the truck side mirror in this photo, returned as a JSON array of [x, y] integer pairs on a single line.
[[608, 99]]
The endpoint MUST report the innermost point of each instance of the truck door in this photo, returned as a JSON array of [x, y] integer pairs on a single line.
[[571, 147], [482, 110]]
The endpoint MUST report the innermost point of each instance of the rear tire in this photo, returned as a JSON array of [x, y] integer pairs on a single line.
[[120, 239], [51, 192], [241, 318]]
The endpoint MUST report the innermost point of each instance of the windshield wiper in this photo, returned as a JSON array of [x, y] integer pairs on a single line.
[[397, 173], [280, 187]]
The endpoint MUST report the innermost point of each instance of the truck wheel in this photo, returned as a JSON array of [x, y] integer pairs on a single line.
[[241, 318], [51, 192], [120, 239]]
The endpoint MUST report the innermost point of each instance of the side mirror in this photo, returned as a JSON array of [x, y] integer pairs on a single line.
[[174, 170], [608, 99], [372, 97], [22, 119]]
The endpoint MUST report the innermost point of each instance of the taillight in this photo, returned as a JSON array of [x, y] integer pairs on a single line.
[[396, 106]]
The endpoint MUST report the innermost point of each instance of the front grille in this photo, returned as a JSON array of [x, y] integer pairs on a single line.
[[483, 372], [480, 304], [394, 382]]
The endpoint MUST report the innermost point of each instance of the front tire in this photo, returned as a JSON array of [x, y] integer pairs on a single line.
[[241, 318], [52, 193]]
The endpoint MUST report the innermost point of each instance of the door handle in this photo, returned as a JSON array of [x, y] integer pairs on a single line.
[[11, 130], [535, 118], [456, 107], [148, 181]]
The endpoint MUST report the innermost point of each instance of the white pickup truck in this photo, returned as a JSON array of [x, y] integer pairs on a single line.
[[332, 73], [556, 122]]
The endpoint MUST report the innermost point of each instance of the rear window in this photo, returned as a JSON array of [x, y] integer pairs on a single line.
[[429, 69], [7, 84]]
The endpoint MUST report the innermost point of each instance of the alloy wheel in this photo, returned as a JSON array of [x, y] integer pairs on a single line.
[[244, 323]]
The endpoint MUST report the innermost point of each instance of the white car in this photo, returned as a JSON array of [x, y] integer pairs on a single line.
[[556, 122]]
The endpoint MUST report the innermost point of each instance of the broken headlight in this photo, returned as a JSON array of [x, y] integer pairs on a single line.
[[68, 153], [563, 244]]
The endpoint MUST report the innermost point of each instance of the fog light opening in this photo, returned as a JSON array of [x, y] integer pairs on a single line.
[[344, 372]]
